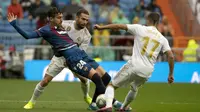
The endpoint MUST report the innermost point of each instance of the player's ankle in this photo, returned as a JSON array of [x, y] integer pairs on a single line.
[[86, 96], [116, 102], [33, 101], [93, 104]]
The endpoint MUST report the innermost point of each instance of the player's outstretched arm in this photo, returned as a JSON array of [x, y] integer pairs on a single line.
[[170, 57], [28, 35], [111, 26]]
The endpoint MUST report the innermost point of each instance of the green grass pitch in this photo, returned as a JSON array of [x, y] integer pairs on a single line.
[[67, 97]]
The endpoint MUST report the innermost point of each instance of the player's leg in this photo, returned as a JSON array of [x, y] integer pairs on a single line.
[[77, 64], [104, 75], [54, 68], [40, 88], [38, 91], [121, 79], [95, 77], [137, 82], [109, 95], [100, 89], [85, 86], [81, 67], [105, 78]]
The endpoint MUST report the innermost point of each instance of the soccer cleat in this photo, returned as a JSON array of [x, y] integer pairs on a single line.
[[92, 107], [127, 109], [118, 108], [29, 105], [88, 100], [124, 110], [105, 109]]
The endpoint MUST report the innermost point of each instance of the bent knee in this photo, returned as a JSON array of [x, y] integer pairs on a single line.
[[83, 80], [115, 87], [46, 81], [134, 88]]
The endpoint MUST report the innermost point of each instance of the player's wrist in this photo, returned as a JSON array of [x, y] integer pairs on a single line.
[[13, 22], [170, 74]]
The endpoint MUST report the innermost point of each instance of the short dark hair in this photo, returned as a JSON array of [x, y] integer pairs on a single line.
[[154, 17], [53, 11], [80, 11]]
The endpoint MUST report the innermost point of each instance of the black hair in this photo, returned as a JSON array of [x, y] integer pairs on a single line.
[[80, 11], [53, 11]]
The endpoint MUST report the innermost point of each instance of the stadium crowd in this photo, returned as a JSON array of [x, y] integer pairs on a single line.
[[32, 15]]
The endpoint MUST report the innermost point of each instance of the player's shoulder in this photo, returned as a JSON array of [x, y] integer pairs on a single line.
[[45, 28], [68, 22], [134, 25], [163, 39]]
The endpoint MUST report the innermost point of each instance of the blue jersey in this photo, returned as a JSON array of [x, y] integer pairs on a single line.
[[77, 60], [58, 38]]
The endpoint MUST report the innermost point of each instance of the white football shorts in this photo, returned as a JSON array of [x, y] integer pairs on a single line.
[[56, 65], [129, 74]]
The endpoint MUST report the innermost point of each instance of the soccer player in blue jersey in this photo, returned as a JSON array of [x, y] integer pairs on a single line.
[[77, 60]]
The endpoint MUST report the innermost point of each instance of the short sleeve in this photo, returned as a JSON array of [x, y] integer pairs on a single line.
[[133, 28], [166, 46]]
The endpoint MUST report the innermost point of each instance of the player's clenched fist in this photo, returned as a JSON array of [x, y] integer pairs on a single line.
[[97, 27], [11, 17], [170, 79]]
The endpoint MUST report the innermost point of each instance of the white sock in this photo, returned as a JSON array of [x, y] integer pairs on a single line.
[[85, 88], [94, 104], [37, 92], [129, 98], [109, 95]]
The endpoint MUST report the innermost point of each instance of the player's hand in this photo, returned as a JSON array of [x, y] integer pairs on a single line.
[[170, 79], [11, 17], [98, 27]]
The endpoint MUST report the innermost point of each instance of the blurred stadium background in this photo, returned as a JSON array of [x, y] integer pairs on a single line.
[[23, 62]]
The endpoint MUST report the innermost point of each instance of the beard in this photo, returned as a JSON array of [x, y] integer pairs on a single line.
[[80, 27]]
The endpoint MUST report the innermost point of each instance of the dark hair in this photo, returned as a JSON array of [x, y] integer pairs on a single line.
[[53, 11], [80, 11], [153, 17]]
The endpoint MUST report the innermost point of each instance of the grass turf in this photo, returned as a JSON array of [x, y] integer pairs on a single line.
[[68, 97]]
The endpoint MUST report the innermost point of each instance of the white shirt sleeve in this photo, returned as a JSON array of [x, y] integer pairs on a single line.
[[133, 28], [166, 46], [84, 45]]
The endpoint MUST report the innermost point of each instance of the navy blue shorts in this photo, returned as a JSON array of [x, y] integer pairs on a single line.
[[78, 61], [90, 61]]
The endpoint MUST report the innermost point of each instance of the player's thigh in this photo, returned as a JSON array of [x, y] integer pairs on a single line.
[[56, 65], [82, 79], [137, 82], [79, 66], [123, 76], [95, 65], [91, 62], [100, 71]]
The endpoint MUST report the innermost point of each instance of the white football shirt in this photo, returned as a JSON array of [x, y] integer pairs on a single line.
[[148, 43], [82, 37]]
